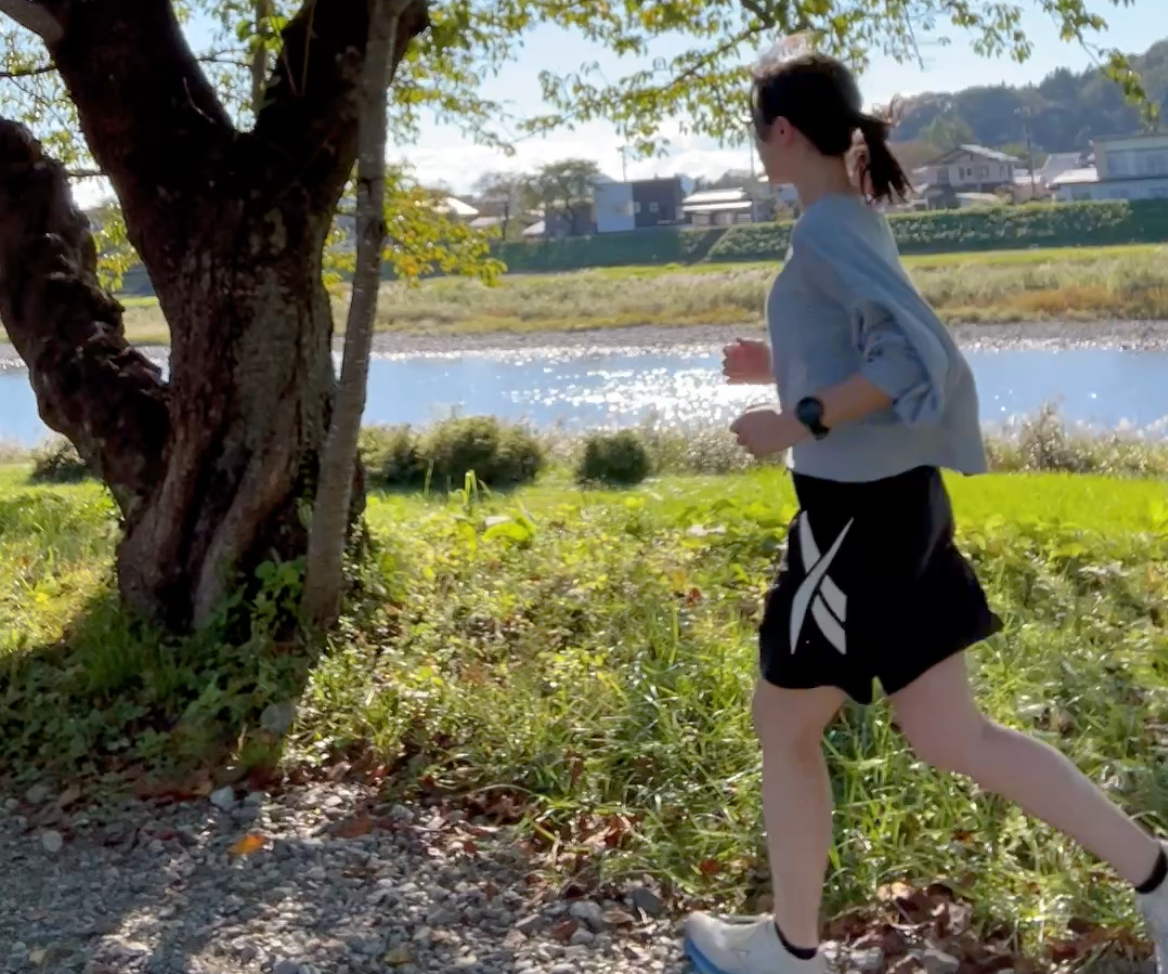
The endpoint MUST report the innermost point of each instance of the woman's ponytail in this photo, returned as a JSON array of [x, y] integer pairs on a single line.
[[881, 176]]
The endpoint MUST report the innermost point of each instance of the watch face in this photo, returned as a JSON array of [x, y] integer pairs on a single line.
[[809, 412]]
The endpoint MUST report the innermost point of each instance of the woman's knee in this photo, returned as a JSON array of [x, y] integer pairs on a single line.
[[960, 746], [793, 720]]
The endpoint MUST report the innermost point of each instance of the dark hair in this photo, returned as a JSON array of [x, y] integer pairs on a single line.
[[819, 96]]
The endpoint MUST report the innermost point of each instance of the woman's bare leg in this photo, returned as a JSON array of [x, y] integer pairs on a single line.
[[939, 717], [796, 795]]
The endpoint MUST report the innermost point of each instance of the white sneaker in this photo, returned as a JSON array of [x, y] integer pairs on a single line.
[[718, 947], [1154, 907]]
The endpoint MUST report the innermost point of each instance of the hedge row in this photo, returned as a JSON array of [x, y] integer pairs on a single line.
[[668, 245], [944, 231]]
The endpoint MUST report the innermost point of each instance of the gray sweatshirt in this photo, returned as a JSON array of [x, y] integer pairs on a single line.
[[843, 304]]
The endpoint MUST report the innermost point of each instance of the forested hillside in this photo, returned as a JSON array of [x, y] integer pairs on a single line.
[[1064, 111]]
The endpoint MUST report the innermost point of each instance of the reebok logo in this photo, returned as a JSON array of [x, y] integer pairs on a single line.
[[817, 592]]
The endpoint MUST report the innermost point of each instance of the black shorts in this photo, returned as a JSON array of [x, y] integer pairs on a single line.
[[871, 587]]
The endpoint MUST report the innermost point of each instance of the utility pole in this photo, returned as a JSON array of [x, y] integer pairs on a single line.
[[1033, 176], [624, 151]]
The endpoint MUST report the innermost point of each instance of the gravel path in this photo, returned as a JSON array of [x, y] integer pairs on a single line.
[[328, 879], [337, 885]]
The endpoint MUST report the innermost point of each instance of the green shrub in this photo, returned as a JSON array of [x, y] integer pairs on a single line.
[[499, 455], [58, 462], [390, 455], [614, 458]]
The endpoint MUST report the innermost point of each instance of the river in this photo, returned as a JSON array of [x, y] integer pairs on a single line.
[[588, 387]]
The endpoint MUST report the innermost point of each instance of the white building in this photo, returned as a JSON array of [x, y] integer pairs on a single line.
[[966, 168], [725, 207], [1133, 167]]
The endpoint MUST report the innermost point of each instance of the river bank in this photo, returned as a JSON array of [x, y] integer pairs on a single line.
[[1066, 291], [1052, 336]]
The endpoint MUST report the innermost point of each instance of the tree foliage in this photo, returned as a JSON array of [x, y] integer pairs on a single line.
[[1063, 112], [441, 75]]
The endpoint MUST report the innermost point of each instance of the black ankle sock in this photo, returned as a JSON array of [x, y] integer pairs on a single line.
[[799, 953], [1155, 881]]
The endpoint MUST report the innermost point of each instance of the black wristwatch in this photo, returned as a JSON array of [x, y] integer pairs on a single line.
[[809, 412]]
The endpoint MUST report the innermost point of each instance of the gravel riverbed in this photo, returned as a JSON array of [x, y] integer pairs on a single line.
[[1049, 335]]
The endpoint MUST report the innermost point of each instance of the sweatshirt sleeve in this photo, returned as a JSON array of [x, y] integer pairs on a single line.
[[894, 329]]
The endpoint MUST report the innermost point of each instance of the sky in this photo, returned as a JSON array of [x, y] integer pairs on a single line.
[[442, 154]]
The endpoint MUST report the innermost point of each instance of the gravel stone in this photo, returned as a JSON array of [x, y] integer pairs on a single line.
[[38, 794], [938, 962], [162, 889], [869, 960], [52, 842], [224, 798]]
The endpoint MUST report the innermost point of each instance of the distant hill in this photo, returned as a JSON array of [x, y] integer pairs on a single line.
[[1064, 111]]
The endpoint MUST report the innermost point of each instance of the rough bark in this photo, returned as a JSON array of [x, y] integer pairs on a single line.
[[91, 386], [326, 541], [231, 227]]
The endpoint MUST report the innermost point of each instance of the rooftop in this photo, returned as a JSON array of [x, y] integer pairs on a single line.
[[974, 150], [1076, 176]]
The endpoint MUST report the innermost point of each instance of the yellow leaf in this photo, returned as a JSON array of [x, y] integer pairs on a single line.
[[249, 845]]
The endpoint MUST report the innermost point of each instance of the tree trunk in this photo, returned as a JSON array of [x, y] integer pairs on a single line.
[[213, 471], [251, 382], [330, 516]]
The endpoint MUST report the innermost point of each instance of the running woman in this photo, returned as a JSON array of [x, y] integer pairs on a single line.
[[875, 399]]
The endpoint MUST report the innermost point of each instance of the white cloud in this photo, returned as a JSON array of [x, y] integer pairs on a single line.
[[442, 156]]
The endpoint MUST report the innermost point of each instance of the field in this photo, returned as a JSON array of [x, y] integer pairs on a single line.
[[585, 659], [1080, 284]]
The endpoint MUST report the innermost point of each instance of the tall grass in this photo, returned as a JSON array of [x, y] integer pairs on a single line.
[[1131, 283]]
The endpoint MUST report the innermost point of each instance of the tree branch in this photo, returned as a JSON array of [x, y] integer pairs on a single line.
[[90, 384], [27, 72], [151, 118], [308, 125], [34, 17]]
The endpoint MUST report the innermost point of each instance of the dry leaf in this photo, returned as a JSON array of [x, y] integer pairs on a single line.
[[563, 930], [69, 796], [249, 845], [37, 957], [400, 956], [356, 827], [709, 867]]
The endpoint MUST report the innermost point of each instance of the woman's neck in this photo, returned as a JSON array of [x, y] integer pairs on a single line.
[[828, 177]]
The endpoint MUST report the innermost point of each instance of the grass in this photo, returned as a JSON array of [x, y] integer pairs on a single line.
[[585, 659], [1082, 284]]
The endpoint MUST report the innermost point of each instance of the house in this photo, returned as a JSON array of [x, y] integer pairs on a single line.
[[725, 207], [964, 169], [1133, 167], [553, 223], [638, 204], [456, 209]]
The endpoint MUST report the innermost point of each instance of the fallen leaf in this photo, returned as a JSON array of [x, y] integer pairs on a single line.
[[563, 930], [69, 796], [249, 845], [38, 956], [356, 827], [709, 867], [400, 956]]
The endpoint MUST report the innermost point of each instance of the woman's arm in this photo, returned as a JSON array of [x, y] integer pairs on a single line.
[[852, 400]]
